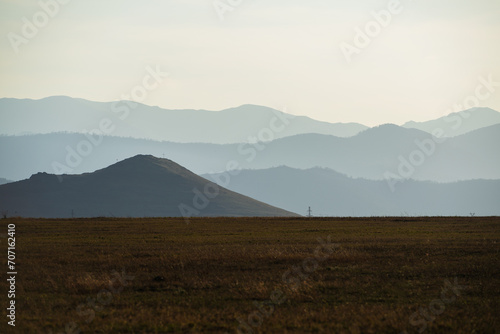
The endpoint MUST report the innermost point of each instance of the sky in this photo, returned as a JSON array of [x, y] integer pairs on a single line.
[[365, 61]]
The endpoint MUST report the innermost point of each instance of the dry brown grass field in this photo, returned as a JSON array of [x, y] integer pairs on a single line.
[[255, 275]]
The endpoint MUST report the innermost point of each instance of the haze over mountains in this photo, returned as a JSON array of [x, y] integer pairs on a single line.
[[333, 194], [371, 154], [459, 123], [234, 125], [142, 186], [131, 119], [291, 162]]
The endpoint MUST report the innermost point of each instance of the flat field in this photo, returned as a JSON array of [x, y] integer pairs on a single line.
[[254, 275]]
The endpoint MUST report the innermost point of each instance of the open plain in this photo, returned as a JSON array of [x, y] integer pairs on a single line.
[[255, 275]]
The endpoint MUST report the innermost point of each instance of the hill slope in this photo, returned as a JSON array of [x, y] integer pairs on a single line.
[[142, 186], [332, 194], [4, 181]]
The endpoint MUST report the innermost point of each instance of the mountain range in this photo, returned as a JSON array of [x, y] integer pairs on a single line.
[[376, 154], [135, 120], [458, 123], [333, 194], [145, 186], [78, 155], [142, 186], [233, 125]]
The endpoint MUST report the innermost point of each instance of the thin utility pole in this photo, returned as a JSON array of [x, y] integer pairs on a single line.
[[309, 212]]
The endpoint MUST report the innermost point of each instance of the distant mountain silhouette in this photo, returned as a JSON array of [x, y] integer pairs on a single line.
[[128, 119], [371, 154], [459, 123], [333, 194], [142, 186], [4, 181]]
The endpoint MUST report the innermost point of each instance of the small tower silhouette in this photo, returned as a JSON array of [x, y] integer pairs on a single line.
[[309, 212]]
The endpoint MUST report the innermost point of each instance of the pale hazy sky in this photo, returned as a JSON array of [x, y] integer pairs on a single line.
[[269, 52]]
